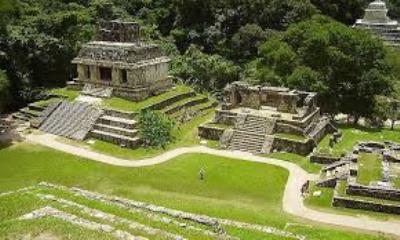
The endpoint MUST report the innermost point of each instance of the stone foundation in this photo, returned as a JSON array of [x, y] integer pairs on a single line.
[[210, 132], [292, 146], [365, 205], [375, 192]]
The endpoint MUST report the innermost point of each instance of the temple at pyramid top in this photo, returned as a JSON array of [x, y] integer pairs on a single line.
[[376, 14]]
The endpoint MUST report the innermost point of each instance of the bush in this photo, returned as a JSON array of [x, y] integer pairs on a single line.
[[155, 128]]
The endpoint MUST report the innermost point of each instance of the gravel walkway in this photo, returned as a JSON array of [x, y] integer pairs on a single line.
[[292, 199]]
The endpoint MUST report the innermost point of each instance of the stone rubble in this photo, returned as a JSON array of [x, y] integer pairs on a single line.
[[52, 212], [215, 223], [110, 217], [22, 190]]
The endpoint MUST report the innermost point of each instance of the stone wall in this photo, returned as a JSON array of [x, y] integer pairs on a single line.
[[288, 128], [292, 146], [226, 117], [283, 99], [324, 159], [367, 191], [210, 132], [365, 205]]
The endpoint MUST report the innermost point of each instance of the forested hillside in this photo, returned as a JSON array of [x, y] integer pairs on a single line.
[[270, 42]]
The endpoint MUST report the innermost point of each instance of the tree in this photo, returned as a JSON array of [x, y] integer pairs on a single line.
[[346, 66], [155, 128], [345, 11], [209, 72], [304, 78], [245, 43]]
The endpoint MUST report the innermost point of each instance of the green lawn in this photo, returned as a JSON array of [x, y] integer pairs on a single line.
[[369, 168], [233, 189], [129, 106], [69, 94], [302, 161]]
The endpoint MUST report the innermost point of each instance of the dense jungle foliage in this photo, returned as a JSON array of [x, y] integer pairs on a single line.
[[304, 44]]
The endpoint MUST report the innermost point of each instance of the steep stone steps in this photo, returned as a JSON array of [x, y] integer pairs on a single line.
[[252, 135], [247, 141], [72, 120]]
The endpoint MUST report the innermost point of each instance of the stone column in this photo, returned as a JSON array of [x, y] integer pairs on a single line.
[[116, 76], [94, 73]]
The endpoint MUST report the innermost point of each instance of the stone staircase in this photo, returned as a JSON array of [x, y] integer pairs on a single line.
[[118, 128], [72, 120], [251, 136]]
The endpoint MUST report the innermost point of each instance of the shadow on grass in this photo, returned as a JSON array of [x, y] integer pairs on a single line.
[[5, 144]]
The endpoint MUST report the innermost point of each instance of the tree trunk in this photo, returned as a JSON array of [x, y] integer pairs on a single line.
[[393, 122]]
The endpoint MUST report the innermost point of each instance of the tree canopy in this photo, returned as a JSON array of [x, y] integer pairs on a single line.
[[346, 66]]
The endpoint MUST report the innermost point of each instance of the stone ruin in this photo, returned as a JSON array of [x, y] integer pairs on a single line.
[[359, 196], [376, 20], [118, 64], [257, 115]]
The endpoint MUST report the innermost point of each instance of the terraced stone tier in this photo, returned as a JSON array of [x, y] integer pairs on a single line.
[[121, 140], [117, 128], [71, 120], [118, 122]]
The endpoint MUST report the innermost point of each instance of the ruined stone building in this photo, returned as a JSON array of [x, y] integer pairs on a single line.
[[377, 20], [262, 118], [118, 64]]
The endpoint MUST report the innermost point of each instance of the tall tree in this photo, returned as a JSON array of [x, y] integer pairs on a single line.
[[346, 66]]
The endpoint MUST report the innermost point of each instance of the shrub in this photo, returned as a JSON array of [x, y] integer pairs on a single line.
[[155, 128]]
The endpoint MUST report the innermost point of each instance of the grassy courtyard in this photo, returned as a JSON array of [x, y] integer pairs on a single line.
[[369, 168], [233, 189], [353, 134]]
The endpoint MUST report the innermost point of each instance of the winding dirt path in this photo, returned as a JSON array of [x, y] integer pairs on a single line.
[[292, 199]]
